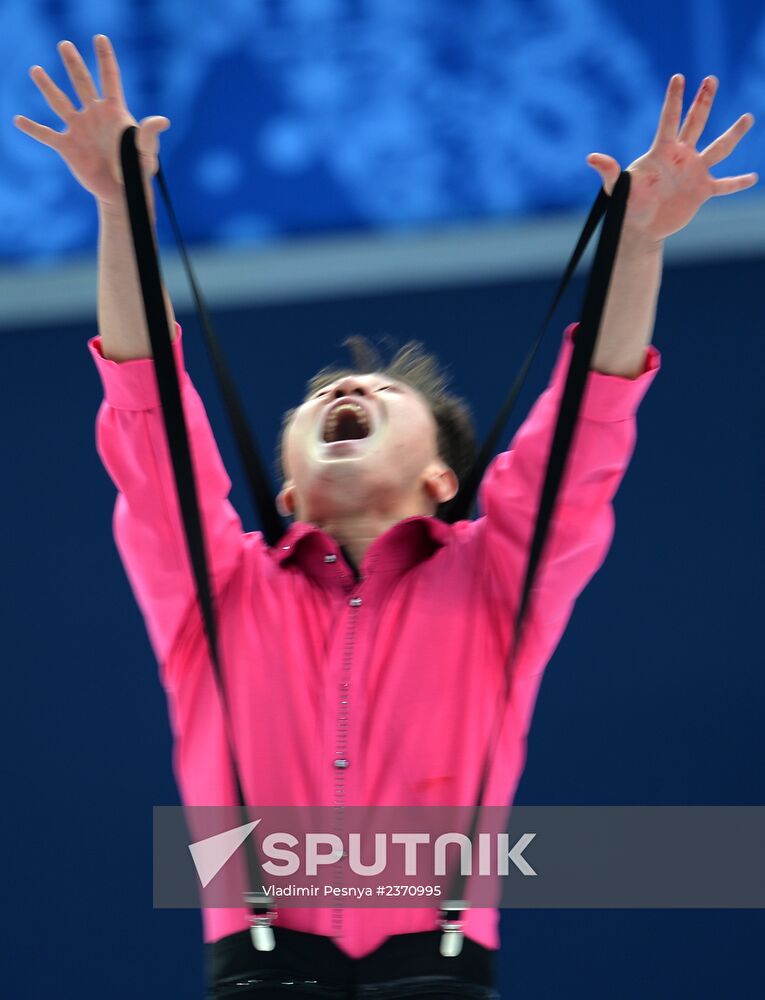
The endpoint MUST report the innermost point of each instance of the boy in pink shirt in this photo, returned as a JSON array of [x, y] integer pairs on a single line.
[[372, 619]]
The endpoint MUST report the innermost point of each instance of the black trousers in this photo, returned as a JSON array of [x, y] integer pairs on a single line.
[[304, 966]]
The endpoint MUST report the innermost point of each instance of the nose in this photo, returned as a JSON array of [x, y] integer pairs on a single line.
[[349, 386]]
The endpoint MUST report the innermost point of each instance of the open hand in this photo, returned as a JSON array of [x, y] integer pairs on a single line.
[[672, 180], [90, 146]]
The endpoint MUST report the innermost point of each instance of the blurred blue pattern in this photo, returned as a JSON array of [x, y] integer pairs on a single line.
[[305, 116]]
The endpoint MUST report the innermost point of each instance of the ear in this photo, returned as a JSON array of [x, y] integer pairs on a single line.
[[286, 500], [441, 484]]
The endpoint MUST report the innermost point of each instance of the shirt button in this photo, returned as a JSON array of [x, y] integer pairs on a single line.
[[355, 602], [340, 762], [330, 558]]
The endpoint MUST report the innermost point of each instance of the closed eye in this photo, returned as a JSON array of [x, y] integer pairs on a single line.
[[382, 388]]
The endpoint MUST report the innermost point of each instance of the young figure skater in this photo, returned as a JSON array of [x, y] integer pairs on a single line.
[[372, 621]]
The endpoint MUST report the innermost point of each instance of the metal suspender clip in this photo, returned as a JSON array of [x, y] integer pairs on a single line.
[[263, 915], [451, 925]]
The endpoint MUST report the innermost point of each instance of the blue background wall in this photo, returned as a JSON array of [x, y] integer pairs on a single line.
[[303, 116], [653, 697], [300, 117]]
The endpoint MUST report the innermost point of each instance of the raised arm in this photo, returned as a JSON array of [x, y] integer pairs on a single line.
[[583, 520], [669, 185], [148, 530], [130, 433], [90, 147]]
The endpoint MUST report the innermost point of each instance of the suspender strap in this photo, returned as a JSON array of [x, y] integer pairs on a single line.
[[462, 505], [178, 444], [271, 522], [573, 391]]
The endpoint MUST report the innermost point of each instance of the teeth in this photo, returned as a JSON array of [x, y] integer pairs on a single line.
[[334, 418]]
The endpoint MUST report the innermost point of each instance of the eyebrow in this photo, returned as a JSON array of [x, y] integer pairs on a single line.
[[384, 382]]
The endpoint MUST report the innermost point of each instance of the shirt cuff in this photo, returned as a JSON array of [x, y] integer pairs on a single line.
[[606, 397], [132, 385]]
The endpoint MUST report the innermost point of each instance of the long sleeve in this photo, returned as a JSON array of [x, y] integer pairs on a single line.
[[148, 529], [582, 526]]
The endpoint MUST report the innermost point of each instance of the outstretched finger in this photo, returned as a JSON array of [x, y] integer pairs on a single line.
[[672, 111], [47, 136], [56, 98], [730, 185], [108, 69], [607, 167], [78, 72], [722, 147], [698, 113]]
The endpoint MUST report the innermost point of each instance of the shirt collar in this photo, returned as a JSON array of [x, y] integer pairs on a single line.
[[401, 546]]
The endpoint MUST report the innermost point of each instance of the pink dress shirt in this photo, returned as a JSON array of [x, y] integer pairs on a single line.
[[321, 667]]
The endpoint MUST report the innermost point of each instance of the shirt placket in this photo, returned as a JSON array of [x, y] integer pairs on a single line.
[[342, 708]]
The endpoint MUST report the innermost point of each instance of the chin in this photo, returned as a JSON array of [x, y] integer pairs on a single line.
[[337, 495]]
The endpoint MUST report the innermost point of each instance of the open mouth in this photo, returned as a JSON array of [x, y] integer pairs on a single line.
[[348, 421]]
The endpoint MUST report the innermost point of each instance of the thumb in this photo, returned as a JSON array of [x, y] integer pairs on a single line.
[[148, 130], [147, 141], [607, 167], [154, 123]]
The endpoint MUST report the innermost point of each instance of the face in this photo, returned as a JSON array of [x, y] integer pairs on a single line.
[[364, 443]]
